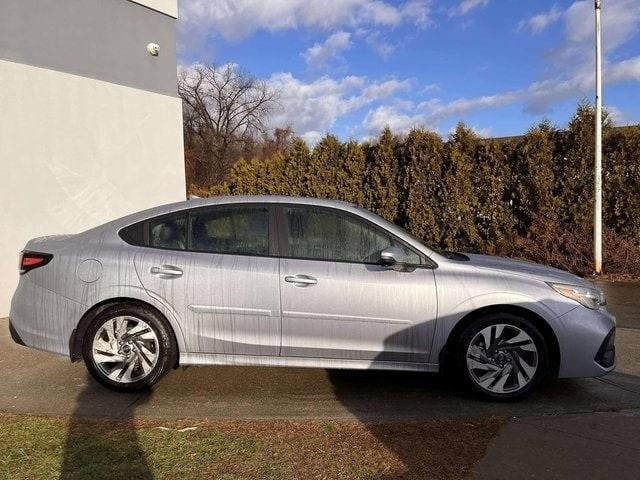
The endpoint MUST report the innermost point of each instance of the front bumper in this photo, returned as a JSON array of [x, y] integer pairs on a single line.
[[606, 356], [586, 339]]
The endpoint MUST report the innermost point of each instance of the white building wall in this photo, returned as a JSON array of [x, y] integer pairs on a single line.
[[77, 151], [168, 7]]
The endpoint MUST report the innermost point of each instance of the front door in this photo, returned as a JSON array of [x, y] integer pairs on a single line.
[[338, 302], [213, 266]]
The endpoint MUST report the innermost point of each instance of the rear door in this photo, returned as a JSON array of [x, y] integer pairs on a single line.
[[339, 302], [215, 267]]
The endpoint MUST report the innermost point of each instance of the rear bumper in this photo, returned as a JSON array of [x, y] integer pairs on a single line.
[[587, 343], [42, 319], [15, 336]]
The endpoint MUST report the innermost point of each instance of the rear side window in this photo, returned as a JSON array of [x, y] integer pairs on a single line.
[[169, 232], [233, 230]]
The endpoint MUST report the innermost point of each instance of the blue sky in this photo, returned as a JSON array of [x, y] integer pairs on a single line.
[[351, 67]]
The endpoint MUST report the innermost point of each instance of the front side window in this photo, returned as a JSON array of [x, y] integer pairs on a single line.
[[233, 230], [169, 232], [319, 234]]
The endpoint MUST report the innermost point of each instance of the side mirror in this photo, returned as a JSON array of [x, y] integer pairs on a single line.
[[393, 256]]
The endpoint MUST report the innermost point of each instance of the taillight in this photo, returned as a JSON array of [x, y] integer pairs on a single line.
[[31, 260]]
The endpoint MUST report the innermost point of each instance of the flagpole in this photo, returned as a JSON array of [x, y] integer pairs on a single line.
[[597, 218]]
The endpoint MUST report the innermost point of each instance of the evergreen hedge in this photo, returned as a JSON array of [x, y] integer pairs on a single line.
[[529, 196]]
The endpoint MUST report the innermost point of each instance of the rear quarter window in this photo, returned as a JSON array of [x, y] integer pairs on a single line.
[[133, 234], [166, 231]]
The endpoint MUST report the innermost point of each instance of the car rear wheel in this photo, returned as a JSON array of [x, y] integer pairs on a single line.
[[503, 357], [129, 348]]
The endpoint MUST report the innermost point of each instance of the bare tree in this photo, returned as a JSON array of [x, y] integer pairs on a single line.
[[225, 110], [278, 142]]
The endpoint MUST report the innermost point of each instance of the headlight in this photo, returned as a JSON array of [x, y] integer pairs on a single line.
[[591, 298]]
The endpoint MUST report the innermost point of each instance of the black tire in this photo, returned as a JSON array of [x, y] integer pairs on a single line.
[[471, 334], [167, 351]]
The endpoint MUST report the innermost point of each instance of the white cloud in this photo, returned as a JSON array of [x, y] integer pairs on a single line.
[[482, 132], [619, 116], [465, 6], [539, 22], [394, 117], [479, 131], [312, 137], [312, 108], [436, 110], [540, 95], [616, 115], [624, 71], [320, 53], [418, 11], [379, 45], [570, 72], [571, 69], [384, 89], [432, 87], [403, 116], [236, 19], [537, 98], [620, 23]]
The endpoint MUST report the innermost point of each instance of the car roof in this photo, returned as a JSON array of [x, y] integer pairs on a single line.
[[220, 200], [239, 199], [264, 199]]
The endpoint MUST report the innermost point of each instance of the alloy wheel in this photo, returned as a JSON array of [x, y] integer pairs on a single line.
[[125, 349], [502, 358]]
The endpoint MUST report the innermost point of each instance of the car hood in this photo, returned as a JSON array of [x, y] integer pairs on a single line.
[[526, 269]]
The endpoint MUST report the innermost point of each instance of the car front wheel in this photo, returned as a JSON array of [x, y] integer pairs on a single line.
[[128, 348], [503, 357]]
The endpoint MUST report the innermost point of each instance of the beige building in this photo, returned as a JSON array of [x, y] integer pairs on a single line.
[[90, 120]]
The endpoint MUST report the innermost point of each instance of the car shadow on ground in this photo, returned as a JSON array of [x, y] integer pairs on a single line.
[[437, 428], [104, 449], [433, 426]]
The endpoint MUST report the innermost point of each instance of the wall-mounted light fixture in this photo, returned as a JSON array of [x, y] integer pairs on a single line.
[[153, 49]]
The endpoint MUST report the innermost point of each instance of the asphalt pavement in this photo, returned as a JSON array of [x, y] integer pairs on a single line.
[[603, 443], [623, 299], [571, 427], [35, 382]]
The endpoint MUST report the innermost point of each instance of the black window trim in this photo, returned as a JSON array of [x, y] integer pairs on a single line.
[[277, 231], [283, 240]]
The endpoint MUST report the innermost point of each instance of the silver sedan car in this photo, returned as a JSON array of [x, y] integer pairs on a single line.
[[300, 282]]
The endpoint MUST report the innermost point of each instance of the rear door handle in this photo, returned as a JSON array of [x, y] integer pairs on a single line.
[[166, 271], [301, 280]]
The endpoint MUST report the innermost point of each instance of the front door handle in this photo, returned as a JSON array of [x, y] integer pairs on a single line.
[[166, 271], [301, 280]]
